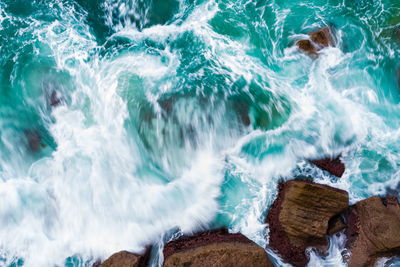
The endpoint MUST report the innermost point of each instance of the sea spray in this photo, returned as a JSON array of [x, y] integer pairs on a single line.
[[183, 115]]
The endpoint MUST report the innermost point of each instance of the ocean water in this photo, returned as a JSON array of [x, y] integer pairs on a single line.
[[123, 122]]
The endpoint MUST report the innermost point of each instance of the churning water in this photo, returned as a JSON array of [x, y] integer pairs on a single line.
[[122, 121]]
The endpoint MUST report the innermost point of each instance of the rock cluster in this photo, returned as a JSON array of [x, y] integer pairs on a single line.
[[317, 40], [299, 218], [215, 248], [373, 230], [302, 216], [304, 213]]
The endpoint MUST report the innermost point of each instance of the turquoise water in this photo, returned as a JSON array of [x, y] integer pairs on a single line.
[[184, 115]]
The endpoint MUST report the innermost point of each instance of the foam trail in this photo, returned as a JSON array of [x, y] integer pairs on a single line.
[[185, 121]]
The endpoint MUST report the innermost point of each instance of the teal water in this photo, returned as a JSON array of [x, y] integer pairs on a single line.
[[184, 115]]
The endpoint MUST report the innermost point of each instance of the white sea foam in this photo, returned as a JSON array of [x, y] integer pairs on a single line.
[[99, 192]]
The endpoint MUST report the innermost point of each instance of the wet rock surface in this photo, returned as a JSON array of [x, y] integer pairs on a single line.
[[126, 259], [334, 166], [317, 41], [373, 230], [215, 248], [299, 218]]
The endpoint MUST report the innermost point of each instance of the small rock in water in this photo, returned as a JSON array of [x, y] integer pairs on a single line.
[[318, 40], [126, 259], [373, 230], [215, 248], [334, 166], [55, 98], [34, 140], [299, 218]]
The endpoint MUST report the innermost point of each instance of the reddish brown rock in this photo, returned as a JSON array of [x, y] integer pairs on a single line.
[[333, 166], [299, 218], [215, 248], [373, 230], [127, 259], [318, 40]]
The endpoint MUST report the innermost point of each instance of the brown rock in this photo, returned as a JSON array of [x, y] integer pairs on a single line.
[[299, 218], [127, 259], [215, 248], [336, 224], [318, 40], [373, 230], [333, 166], [307, 46]]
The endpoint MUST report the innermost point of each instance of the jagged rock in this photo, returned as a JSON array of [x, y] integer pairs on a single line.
[[127, 259], [373, 230], [318, 40], [215, 248], [299, 218], [333, 166]]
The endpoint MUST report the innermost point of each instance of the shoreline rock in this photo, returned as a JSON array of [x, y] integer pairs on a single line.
[[126, 259], [373, 230], [212, 248], [334, 166], [299, 218], [318, 40]]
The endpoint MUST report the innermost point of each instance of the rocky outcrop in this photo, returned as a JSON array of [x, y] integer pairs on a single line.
[[333, 166], [215, 248], [317, 41], [373, 230], [299, 218], [126, 259]]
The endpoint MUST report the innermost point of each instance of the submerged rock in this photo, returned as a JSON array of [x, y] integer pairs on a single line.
[[242, 108], [34, 140], [299, 218], [373, 230], [126, 259], [215, 248], [55, 99], [333, 166], [318, 40]]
